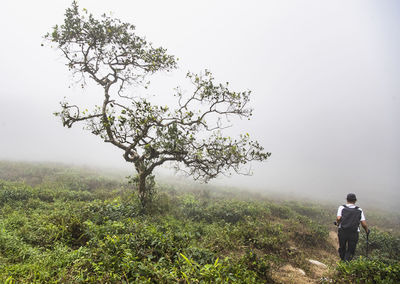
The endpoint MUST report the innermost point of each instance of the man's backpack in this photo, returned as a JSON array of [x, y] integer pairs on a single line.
[[350, 218]]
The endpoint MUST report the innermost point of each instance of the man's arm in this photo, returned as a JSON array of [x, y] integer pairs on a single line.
[[365, 226], [339, 215], [364, 222]]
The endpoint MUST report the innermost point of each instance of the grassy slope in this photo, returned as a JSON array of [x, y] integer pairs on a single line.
[[63, 224]]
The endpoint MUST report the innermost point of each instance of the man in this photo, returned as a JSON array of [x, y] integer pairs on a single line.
[[348, 219]]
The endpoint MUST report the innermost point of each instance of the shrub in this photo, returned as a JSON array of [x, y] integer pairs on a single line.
[[280, 211], [12, 192], [247, 269], [382, 245], [309, 233], [368, 271]]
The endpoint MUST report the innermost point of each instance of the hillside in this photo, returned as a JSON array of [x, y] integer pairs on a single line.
[[60, 224]]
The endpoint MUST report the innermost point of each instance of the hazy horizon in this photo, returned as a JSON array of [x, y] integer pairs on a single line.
[[323, 75]]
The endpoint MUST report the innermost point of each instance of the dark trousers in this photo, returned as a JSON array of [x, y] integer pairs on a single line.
[[347, 244]]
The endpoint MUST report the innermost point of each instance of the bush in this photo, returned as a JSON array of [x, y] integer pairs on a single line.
[[368, 271], [382, 245], [247, 269], [309, 233], [12, 192]]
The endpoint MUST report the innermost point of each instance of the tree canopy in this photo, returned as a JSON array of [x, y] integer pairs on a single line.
[[109, 52]]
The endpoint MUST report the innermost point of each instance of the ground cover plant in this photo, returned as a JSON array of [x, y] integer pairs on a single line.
[[53, 230]]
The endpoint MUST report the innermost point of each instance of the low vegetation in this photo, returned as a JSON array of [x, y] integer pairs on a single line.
[[66, 225]]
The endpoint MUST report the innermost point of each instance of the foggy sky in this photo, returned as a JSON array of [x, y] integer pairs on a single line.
[[324, 77]]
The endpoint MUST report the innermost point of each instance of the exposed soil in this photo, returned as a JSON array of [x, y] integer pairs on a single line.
[[333, 239], [318, 269]]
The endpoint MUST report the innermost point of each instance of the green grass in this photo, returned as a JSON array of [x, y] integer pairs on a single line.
[[63, 225]]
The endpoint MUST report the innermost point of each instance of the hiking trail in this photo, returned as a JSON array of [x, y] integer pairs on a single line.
[[319, 267]]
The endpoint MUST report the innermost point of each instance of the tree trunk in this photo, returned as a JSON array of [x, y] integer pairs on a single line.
[[143, 194]]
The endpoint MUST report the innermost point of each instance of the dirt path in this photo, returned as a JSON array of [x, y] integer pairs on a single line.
[[290, 274], [333, 239], [318, 268]]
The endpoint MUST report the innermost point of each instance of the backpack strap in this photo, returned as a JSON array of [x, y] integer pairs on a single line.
[[344, 205]]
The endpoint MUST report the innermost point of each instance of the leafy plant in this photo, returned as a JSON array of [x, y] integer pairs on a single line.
[[57, 234], [368, 271]]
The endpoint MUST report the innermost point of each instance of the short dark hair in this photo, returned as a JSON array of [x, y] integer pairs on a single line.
[[351, 197]]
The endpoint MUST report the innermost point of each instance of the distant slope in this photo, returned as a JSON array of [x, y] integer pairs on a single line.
[[64, 224]]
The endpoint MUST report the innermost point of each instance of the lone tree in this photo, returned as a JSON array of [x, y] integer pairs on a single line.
[[109, 52]]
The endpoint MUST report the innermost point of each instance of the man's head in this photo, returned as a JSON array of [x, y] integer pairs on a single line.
[[351, 198]]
